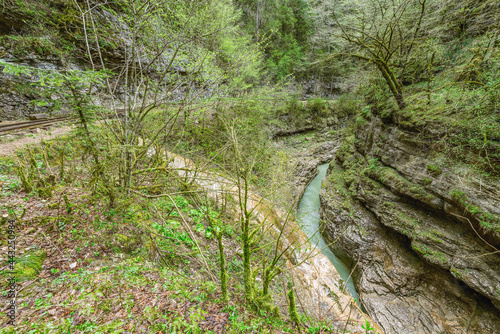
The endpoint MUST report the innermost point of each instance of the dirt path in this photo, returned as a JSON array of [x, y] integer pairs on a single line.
[[10, 148]]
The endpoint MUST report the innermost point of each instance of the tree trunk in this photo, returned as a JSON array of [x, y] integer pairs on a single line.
[[400, 100], [392, 82], [247, 270], [223, 272]]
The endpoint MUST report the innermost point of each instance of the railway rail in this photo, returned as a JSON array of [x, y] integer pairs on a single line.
[[6, 128]]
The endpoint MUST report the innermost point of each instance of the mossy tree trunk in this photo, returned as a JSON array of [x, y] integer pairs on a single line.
[[292, 307], [393, 83], [248, 282], [218, 232]]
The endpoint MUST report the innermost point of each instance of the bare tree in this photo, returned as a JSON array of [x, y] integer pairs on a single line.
[[165, 60], [379, 32]]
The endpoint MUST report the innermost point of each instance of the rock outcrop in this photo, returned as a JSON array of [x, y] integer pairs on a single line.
[[66, 49], [16, 94], [422, 234]]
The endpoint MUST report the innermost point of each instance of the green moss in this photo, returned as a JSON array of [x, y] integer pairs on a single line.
[[401, 221], [397, 183], [429, 234], [410, 226], [292, 309], [45, 192], [456, 273], [338, 187], [318, 107], [55, 28], [434, 170], [346, 148], [29, 265], [53, 206], [486, 219], [352, 162], [361, 121], [23, 45], [125, 243], [429, 254], [458, 196]]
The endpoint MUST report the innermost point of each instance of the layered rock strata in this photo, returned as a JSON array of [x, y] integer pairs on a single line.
[[421, 234]]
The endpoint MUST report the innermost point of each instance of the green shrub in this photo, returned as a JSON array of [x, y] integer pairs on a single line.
[[318, 107]]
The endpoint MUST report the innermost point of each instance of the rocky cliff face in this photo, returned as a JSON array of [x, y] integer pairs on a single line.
[[422, 234], [16, 94], [50, 39]]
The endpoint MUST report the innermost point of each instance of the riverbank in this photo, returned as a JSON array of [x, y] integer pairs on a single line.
[[321, 291]]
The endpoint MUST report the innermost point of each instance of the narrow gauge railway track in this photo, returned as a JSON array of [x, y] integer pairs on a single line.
[[28, 125], [6, 128]]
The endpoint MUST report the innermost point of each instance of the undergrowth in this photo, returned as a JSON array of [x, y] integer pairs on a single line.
[[140, 263]]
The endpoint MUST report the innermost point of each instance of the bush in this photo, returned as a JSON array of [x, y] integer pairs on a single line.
[[318, 107], [347, 104]]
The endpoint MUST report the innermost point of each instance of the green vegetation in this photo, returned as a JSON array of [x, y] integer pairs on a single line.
[[438, 94], [29, 265], [207, 80], [431, 255], [397, 183], [487, 220], [155, 258], [292, 308], [282, 28], [441, 83], [434, 170], [159, 299], [111, 189]]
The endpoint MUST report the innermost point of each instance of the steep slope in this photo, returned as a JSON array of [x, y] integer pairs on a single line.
[[421, 232], [181, 48], [412, 201]]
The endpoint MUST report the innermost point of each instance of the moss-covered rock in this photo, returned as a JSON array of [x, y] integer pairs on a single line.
[[415, 224]]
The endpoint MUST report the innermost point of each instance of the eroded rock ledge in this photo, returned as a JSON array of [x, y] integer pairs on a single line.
[[421, 233]]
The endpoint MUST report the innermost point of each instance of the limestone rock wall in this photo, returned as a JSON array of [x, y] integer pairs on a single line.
[[16, 93], [421, 233]]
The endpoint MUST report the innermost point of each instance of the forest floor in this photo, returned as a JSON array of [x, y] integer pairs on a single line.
[[86, 268], [11, 143]]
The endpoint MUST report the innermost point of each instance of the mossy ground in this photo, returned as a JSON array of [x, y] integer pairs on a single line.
[[133, 267]]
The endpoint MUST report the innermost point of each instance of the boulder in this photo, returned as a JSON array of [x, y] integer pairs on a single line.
[[35, 117]]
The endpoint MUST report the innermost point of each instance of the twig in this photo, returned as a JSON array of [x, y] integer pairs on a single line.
[[470, 223]]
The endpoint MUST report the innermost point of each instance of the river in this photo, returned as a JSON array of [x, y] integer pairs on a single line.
[[309, 219]]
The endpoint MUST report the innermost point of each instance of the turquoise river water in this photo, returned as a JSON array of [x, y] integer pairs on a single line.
[[308, 217]]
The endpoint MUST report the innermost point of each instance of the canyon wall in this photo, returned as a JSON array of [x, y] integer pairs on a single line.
[[421, 233]]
